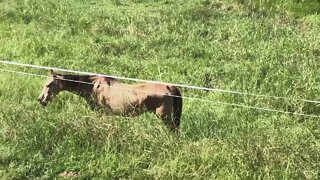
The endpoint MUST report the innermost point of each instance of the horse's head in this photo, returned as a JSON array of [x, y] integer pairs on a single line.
[[51, 88]]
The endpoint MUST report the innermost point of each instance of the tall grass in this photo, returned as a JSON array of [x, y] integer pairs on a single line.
[[234, 45]]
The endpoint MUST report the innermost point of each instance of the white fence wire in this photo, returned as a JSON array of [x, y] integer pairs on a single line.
[[158, 82], [184, 97]]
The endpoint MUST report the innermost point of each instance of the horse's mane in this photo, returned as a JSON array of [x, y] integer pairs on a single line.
[[76, 77], [86, 78]]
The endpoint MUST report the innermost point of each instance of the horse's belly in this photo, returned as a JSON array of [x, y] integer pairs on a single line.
[[127, 107], [125, 102]]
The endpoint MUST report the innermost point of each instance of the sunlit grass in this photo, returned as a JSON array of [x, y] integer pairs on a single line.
[[247, 47]]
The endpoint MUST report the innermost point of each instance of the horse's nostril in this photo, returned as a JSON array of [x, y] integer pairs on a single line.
[[40, 100]]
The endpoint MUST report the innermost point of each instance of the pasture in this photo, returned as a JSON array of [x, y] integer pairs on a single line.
[[261, 48]]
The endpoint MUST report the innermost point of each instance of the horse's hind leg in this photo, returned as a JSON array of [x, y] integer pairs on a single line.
[[165, 114]]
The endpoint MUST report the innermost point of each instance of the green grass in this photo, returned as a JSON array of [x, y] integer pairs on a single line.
[[250, 46]]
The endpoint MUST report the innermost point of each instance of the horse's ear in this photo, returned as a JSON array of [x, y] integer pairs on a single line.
[[51, 72]]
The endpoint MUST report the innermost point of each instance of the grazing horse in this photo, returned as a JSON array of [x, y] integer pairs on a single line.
[[109, 94]]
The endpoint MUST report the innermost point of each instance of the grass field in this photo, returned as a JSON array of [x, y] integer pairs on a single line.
[[262, 47]]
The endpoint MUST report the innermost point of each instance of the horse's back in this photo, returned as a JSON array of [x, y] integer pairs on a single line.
[[154, 88]]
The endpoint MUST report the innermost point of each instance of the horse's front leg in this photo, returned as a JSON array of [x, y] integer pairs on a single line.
[[93, 105]]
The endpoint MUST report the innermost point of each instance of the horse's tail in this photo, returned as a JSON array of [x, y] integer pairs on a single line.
[[177, 106]]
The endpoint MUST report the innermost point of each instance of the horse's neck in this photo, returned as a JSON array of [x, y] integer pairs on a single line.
[[77, 84]]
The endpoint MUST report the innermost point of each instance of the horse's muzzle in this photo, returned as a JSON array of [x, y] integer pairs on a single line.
[[42, 101]]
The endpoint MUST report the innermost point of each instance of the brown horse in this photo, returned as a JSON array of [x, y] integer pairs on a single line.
[[108, 93]]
